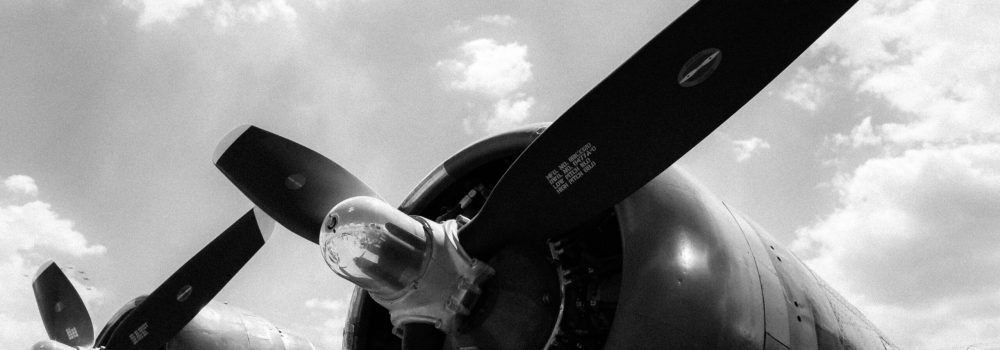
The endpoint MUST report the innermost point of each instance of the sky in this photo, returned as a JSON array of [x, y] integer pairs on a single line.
[[875, 156]]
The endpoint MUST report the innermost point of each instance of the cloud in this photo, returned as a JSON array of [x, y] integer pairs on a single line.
[[807, 88], [166, 11], [500, 20], [496, 72], [490, 68], [509, 113], [860, 136], [29, 234], [326, 304], [226, 14], [932, 60], [914, 243], [747, 148], [330, 328], [21, 184], [222, 13]]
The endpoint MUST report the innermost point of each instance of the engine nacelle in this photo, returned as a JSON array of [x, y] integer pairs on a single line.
[[51, 345], [217, 326], [223, 327], [670, 266]]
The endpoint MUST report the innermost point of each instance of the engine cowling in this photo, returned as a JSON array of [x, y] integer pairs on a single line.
[[220, 326], [217, 326]]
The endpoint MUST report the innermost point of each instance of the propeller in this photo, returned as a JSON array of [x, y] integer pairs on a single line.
[[661, 102], [178, 299], [63, 312], [290, 182], [161, 315]]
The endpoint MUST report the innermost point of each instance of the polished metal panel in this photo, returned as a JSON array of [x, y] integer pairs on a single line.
[[796, 284], [690, 280], [51, 345], [775, 306], [222, 327]]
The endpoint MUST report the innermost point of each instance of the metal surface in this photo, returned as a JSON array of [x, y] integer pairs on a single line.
[[292, 183], [415, 269], [63, 313], [695, 276], [222, 327], [690, 279], [373, 245], [178, 299], [641, 118]]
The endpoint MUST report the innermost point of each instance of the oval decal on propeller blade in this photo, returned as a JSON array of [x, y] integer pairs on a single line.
[[184, 293], [699, 67]]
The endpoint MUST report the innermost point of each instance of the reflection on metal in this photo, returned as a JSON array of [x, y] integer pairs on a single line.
[[415, 269], [222, 327], [689, 257], [374, 246]]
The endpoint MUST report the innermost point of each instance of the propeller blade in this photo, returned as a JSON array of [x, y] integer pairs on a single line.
[[175, 302], [292, 183], [65, 316], [648, 113]]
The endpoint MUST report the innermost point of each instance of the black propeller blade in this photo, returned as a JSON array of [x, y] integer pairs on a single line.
[[65, 316], [175, 302], [292, 183], [659, 104]]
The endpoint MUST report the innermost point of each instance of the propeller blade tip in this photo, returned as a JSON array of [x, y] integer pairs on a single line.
[[44, 267], [228, 140], [264, 223]]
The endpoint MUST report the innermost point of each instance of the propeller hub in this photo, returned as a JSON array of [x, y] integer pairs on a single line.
[[412, 266], [375, 246]]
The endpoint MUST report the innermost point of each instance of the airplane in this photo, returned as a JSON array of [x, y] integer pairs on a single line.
[[179, 314], [577, 234]]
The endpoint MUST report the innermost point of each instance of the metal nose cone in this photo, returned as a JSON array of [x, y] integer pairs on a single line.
[[374, 245]]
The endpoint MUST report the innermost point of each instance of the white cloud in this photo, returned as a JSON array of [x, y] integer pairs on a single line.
[[807, 88], [222, 13], [29, 234], [490, 68], [509, 113], [860, 136], [21, 184], [34, 225], [914, 244], [747, 148], [500, 20], [497, 72], [326, 304], [333, 315], [226, 14], [933, 60], [914, 240], [166, 11]]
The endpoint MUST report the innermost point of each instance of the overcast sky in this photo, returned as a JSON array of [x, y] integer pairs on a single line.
[[875, 157]]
